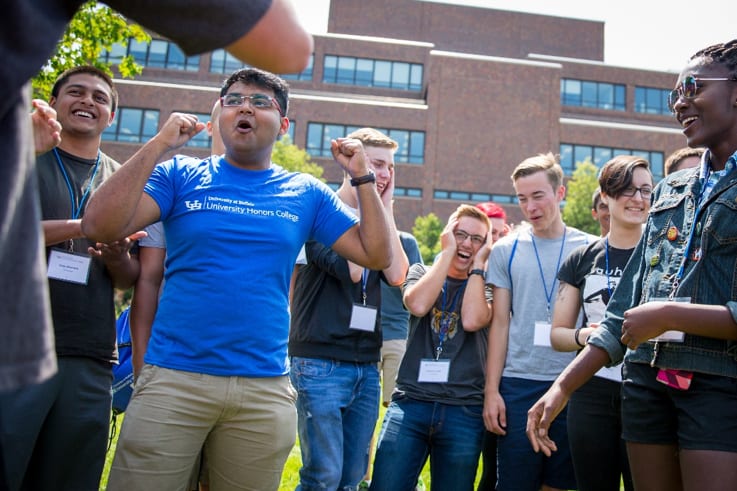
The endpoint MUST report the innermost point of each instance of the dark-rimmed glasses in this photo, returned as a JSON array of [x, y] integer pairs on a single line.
[[257, 101], [689, 87], [645, 191], [462, 235]]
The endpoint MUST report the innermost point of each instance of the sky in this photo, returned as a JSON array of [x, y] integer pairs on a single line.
[[647, 34]]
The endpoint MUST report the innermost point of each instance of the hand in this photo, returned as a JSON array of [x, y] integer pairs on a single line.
[[349, 153], [483, 253], [46, 129], [115, 251], [387, 192], [644, 322], [540, 417], [447, 237], [495, 414], [178, 129]]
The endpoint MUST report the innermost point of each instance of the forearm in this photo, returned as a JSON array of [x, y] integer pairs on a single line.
[[581, 369], [112, 208], [563, 338], [374, 230], [143, 310], [397, 270], [712, 321], [57, 231], [496, 356], [422, 295], [475, 311]]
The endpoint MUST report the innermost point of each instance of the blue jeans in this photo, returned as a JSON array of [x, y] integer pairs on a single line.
[[451, 435], [337, 407]]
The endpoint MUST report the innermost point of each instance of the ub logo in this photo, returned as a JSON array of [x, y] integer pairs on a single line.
[[193, 205], [447, 320]]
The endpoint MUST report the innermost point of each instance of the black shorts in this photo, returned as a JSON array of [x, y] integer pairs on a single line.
[[704, 417]]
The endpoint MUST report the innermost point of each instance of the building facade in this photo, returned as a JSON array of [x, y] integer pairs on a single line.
[[468, 93]]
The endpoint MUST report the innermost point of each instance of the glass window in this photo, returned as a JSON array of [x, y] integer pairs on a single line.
[[651, 100], [346, 70], [400, 76], [138, 50], [601, 155], [132, 125], [157, 53], [411, 144], [592, 94], [382, 74], [571, 92], [415, 77], [364, 72], [566, 157], [330, 69], [581, 153]]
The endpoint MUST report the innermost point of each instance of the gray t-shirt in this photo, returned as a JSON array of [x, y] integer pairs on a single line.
[[516, 254]]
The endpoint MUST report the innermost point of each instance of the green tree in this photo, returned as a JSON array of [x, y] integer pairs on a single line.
[[94, 29], [427, 230], [294, 159], [577, 210]]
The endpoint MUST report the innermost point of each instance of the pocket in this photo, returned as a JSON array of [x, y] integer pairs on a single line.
[[720, 223]]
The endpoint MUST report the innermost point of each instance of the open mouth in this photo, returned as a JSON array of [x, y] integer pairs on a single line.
[[244, 125], [84, 114]]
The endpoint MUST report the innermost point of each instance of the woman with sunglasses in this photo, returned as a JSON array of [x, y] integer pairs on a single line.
[[587, 279], [673, 316]]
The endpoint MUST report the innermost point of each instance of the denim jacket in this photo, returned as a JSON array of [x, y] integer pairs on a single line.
[[651, 272]]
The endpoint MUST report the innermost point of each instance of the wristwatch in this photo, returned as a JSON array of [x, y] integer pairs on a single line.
[[357, 181], [477, 271]]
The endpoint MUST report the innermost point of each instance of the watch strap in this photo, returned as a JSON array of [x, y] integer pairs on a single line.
[[357, 181]]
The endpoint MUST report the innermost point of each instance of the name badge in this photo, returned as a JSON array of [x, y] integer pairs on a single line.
[[435, 371], [542, 333], [363, 317], [671, 336], [69, 266]]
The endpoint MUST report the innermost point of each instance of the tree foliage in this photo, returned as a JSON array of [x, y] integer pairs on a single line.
[[94, 29], [577, 210], [294, 159], [427, 230]]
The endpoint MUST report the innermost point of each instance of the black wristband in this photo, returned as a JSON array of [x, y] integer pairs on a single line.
[[575, 337], [357, 181], [477, 271]]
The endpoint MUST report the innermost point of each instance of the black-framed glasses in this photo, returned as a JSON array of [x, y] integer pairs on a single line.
[[689, 87], [462, 235], [257, 101], [645, 191]]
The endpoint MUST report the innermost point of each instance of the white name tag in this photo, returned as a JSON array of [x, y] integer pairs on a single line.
[[671, 336], [69, 266], [435, 371], [542, 333], [363, 317]]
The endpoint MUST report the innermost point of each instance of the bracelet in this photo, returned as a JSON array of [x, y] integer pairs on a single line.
[[575, 337], [357, 181], [477, 271]]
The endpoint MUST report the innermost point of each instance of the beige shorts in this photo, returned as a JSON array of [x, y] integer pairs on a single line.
[[392, 352]]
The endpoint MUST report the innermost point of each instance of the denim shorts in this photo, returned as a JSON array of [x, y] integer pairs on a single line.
[[700, 418]]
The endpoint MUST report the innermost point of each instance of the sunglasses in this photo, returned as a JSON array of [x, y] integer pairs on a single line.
[[689, 87]]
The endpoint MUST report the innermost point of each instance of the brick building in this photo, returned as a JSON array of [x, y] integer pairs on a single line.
[[468, 92]]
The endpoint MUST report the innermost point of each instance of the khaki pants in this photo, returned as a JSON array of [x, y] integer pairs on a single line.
[[247, 426], [392, 352]]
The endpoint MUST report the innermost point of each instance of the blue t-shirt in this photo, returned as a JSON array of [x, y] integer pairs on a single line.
[[232, 237]]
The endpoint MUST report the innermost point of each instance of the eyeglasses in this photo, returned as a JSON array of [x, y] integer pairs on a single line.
[[645, 192], [461, 236], [257, 101], [689, 87]]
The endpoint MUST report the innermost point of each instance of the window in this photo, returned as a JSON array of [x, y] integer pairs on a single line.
[[367, 72], [598, 95], [571, 154], [502, 199], [133, 125], [223, 62], [408, 192], [411, 148], [159, 53], [650, 100]]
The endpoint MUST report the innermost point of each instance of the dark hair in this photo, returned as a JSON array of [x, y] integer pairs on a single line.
[[492, 210], [674, 159], [616, 175], [62, 79], [723, 54], [595, 198], [263, 79]]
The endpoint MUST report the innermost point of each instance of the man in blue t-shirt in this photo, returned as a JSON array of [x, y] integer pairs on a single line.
[[216, 363]]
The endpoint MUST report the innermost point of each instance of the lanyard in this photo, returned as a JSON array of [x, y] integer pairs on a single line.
[[445, 315], [77, 207], [606, 260], [364, 282], [548, 294]]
